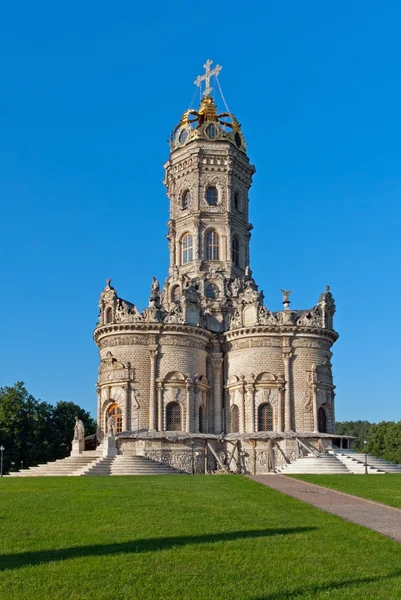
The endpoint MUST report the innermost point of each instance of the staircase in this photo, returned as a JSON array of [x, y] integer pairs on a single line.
[[356, 460], [129, 465], [324, 464], [92, 463], [66, 467]]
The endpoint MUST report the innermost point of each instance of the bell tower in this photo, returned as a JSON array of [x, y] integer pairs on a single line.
[[208, 176]]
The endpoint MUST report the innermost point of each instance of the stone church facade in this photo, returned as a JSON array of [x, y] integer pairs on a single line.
[[207, 376]]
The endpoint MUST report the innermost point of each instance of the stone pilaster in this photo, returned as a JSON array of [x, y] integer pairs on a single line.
[[251, 406], [189, 405], [217, 362], [160, 407], [287, 355], [152, 392]]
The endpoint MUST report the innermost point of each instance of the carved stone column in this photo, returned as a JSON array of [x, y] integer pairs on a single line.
[[314, 397], [251, 406], [287, 354], [242, 417], [152, 393], [280, 393], [160, 407], [189, 406], [196, 238], [127, 411], [217, 362]]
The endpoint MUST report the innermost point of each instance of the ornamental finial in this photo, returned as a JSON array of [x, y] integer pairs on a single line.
[[286, 298], [206, 77]]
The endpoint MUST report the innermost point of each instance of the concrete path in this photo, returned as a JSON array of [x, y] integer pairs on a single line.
[[376, 516]]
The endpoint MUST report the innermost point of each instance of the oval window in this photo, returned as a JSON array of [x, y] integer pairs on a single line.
[[186, 199], [183, 136], [211, 196], [211, 131]]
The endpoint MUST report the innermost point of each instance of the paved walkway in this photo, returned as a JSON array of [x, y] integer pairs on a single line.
[[376, 516]]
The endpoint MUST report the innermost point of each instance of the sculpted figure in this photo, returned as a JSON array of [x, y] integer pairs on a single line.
[[111, 426], [79, 429]]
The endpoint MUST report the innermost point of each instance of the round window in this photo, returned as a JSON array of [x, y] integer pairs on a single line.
[[211, 131], [183, 136]]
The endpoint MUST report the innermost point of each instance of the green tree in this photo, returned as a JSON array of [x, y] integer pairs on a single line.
[[385, 441], [34, 432], [358, 429]]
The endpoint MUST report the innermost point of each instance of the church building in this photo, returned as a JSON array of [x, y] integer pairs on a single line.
[[207, 377]]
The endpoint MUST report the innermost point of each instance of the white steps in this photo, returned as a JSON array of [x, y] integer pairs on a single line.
[[63, 467], [325, 464], [375, 464], [130, 465]]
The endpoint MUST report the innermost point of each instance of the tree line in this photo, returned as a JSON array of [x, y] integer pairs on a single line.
[[34, 432], [383, 439]]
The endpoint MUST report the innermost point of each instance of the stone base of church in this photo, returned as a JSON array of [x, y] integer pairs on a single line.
[[259, 453]]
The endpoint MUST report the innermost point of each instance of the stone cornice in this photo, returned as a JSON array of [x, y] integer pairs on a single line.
[[281, 331], [151, 328]]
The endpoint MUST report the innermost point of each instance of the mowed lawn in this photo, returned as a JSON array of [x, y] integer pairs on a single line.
[[186, 537], [381, 488]]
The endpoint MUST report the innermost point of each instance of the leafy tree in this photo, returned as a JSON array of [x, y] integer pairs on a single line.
[[34, 432], [358, 429], [385, 441]]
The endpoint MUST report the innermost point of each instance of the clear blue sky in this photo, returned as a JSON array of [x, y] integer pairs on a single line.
[[90, 92]]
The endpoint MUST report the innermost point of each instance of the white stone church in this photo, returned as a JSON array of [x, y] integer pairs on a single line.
[[207, 370]]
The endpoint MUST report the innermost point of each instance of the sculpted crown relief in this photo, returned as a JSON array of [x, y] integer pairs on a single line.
[[209, 322]]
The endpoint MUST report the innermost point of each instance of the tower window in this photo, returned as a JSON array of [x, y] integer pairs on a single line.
[[265, 417], [322, 420], [211, 131], [212, 245], [173, 416], [237, 202], [235, 251], [211, 290], [186, 199], [176, 293], [108, 315], [212, 196], [187, 250]]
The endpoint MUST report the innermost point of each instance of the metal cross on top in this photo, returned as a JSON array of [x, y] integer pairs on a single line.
[[206, 77]]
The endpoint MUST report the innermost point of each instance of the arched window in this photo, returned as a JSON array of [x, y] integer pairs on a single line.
[[187, 251], [212, 196], [265, 417], [211, 290], [173, 416], [237, 202], [212, 245], [235, 251], [176, 293], [108, 315], [322, 420], [186, 199], [202, 419], [234, 419], [115, 411]]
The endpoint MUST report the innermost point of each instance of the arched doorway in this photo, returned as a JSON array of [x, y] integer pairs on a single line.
[[321, 420], [115, 411], [265, 417], [173, 417]]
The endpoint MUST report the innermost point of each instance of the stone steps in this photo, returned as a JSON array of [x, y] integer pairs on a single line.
[[64, 467], [326, 464], [372, 461], [355, 466], [130, 465]]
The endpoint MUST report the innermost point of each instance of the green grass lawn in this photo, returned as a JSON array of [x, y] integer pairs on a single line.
[[220, 537], [381, 488]]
